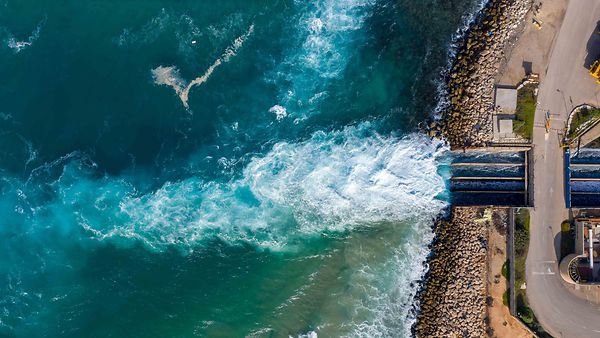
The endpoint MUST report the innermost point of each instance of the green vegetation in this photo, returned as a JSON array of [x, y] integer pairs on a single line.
[[523, 123], [505, 271], [567, 239], [521, 246], [580, 118], [525, 313]]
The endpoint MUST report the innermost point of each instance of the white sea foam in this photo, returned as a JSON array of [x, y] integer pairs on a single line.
[[169, 76], [17, 45], [332, 182], [326, 33], [322, 37], [391, 286], [279, 111]]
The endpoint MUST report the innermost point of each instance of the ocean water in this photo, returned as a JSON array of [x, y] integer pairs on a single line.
[[219, 169]]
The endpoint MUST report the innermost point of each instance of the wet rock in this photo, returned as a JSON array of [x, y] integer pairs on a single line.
[[471, 80], [453, 300]]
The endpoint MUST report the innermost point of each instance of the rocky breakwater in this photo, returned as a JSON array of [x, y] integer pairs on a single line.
[[453, 299], [467, 119]]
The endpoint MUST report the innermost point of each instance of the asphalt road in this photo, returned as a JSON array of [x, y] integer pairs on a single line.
[[565, 84]]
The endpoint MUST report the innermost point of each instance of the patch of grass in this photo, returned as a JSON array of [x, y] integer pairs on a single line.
[[524, 311], [567, 239], [505, 270], [505, 297], [525, 114], [580, 118], [565, 226], [521, 245]]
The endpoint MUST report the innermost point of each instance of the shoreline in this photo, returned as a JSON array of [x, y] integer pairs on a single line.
[[466, 119], [456, 276], [451, 299]]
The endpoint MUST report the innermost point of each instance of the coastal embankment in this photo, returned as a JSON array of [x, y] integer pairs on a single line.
[[452, 301], [467, 119]]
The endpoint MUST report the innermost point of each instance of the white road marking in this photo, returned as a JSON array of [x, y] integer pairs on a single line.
[[544, 267]]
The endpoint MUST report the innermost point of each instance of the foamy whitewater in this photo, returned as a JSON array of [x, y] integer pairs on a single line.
[[325, 31], [289, 194], [332, 182], [18, 45]]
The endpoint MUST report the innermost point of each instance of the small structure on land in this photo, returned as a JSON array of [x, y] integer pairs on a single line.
[[505, 106], [506, 99], [583, 266]]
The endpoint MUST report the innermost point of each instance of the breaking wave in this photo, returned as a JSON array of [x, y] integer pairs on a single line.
[[331, 182], [169, 76]]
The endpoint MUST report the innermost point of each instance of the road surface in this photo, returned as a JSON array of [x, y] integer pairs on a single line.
[[565, 85]]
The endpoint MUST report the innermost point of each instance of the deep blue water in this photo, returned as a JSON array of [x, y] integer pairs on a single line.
[[292, 196]]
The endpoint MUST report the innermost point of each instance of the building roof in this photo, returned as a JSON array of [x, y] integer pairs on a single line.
[[506, 98]]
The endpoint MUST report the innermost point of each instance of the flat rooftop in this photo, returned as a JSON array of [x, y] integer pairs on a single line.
[[506, 98]]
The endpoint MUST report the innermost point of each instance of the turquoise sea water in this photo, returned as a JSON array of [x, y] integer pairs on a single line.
[[292, 197]]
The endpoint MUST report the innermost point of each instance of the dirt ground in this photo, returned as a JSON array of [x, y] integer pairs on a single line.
[[501, 322], [534, 47]]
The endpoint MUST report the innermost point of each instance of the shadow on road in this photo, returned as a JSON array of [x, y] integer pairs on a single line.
[[557, 247], [593, 47]]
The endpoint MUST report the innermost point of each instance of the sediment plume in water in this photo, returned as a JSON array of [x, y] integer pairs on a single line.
[[170, 76]]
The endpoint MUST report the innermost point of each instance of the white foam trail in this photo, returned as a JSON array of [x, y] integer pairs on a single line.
[[169, 76], [18, 45], [330, 183]]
